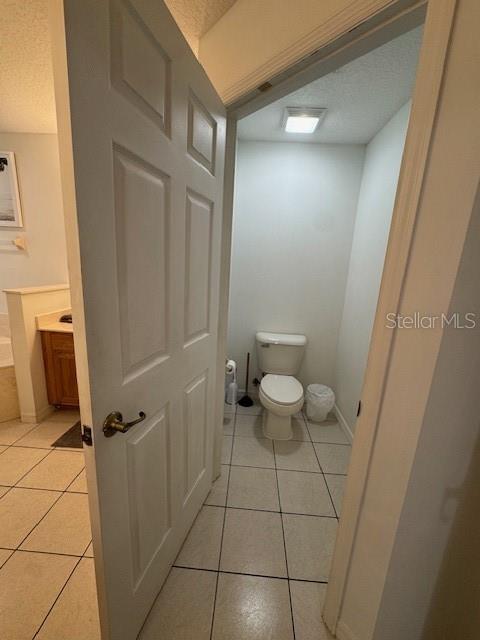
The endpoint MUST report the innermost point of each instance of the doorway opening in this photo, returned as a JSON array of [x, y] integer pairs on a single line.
[[147, 486], [311, 219]]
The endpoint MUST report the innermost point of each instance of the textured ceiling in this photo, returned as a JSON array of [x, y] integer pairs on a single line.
[[26, 82], [360, 97], [27, 101], [196, 17]]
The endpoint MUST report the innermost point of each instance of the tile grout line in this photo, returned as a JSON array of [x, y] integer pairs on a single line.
[[15, 486], [14, 445], [85, 551], [216, 571], [325, 481], [59, 491], [252, 575], [36, 525], [8, 489], [225, 506], [248, 466], [291, 439], [287, 513], [30, 470], [321, 470], [331, 498], [92, 557], [75, 478], [223, 526], [46, 553], [35, 426], [304, 421], [154, 603], [332, 444], [30, 446], [62, 493], [84, 493], [2, 564], [58, 596], [284, 542], [325, 474]]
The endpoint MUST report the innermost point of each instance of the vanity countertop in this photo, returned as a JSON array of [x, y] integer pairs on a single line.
[[58, 327], [51, 321]]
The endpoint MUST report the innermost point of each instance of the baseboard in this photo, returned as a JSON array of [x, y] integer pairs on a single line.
[[253, 393], [343, 423], [343, 632], [34, 418]]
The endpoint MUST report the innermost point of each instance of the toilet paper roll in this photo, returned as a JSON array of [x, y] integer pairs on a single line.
[[230, 367]]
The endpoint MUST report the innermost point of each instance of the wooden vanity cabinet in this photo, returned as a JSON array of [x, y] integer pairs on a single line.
[[61, 375]]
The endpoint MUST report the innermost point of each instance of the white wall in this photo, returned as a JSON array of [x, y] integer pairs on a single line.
[[24, 307], [375, 206], [435, 565], [413, 573], [38, 171], [293, 221]]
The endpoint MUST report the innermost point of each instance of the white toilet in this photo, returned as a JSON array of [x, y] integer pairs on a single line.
[[279, 357]]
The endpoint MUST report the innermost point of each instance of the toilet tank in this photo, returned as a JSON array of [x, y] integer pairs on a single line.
[[280, 353]]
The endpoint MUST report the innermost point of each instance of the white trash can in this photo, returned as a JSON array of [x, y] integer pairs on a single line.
[[320, 401]]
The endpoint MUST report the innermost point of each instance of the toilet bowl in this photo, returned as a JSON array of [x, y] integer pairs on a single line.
[[281, 397], [281, 394]]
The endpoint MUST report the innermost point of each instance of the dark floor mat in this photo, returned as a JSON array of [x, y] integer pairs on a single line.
[[71, 439]]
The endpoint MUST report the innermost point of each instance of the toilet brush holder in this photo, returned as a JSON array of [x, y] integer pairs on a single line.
[[246, 401]]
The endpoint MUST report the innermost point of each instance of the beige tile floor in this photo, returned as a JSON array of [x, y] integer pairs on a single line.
[[256, 561], [254, 565], [47, 582]]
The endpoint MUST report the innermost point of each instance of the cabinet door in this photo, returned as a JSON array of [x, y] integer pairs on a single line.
[[66, 377], [60, 369]]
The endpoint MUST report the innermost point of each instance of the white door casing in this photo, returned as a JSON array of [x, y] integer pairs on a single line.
[[148, 136]]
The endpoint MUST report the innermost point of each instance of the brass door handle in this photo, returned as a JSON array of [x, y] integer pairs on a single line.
[[114, 422]]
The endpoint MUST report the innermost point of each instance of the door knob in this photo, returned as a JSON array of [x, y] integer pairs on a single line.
[[114, 422]]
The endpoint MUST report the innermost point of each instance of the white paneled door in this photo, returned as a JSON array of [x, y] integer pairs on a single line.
[[148, 139]]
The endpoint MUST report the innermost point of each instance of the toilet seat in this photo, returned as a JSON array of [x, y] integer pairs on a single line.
[[281, 390]]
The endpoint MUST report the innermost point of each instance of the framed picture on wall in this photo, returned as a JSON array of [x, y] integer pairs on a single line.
[[10, 209]]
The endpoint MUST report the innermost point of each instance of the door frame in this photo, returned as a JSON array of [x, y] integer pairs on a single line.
[[344, 38]]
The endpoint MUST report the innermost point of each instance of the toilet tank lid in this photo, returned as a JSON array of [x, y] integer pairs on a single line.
[[289, 339]]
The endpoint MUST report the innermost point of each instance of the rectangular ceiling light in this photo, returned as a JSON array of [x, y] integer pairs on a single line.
[[302, 120], [301, 124]]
